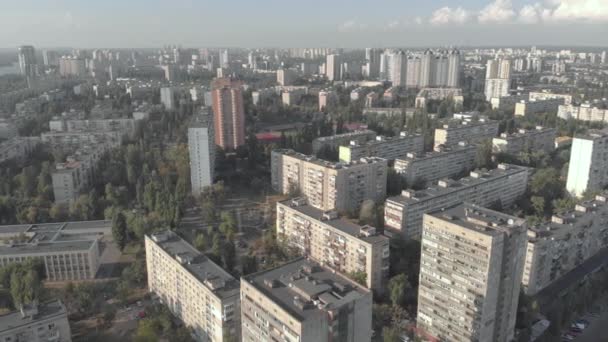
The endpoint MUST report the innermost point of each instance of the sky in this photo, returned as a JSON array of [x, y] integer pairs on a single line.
[[290, 23]]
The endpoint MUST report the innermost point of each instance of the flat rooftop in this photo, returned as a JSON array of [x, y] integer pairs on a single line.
[[479, 219], [340, 224], [464, 124], [410, 197], [48, 310], [215, 278], [438, 153], [329, 164], [524, 133], [346, 135], [303, 288]]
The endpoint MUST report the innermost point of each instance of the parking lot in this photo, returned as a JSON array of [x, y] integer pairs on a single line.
[[592, 327]]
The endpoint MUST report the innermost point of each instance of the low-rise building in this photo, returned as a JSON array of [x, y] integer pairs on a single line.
[[327, 97], [303, 301], [545, 95], [557, 247], [501, 186], [293, 96], [69, 250], [470, 131], [444, 162], [196, 290], [337, 243], [335, 141], [329, 185], [383, 147], [539, 139], [584, 112], [439, 94], [530, 107], [42, 322]]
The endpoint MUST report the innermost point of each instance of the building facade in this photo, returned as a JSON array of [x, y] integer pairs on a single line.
[[538, 139], [587, 169], [334, 141], [336, 243], [201, 148], [228, 113], [470, 273], [389, 148], [501, 186], [196, 290], [36, 323], [472, 132], [329, 185], [303, 301], [530, 107]]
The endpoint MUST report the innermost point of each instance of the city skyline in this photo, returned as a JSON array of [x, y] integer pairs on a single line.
[[266, 23]]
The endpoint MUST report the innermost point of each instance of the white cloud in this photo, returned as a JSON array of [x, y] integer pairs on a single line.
[[529, 14], [352, 26], [593, 10], [447, 15], [497, 12]]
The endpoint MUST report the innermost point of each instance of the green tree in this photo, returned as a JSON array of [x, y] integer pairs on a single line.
[[538, 203], [391, 334], [119, 230], [227, 225], [146, 332], [398, 287], [359, 276], [200, 242], [368, 213], [483, 158], [228, 255]]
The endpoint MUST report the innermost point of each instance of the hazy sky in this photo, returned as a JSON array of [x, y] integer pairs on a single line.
[[289, 23]]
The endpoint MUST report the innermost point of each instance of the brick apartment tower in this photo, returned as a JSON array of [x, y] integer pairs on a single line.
[[228, 113]]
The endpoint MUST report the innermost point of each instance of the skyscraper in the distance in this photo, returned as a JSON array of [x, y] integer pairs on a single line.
[[471, 267], [399, 68], [498, 78], [332, 67], [426, 69], [27, 61], [373, 62], [228, 113], [201, 145], [453, 69], [224, 59]]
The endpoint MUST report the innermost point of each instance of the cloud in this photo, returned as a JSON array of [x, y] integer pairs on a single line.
[[592, 10], [497, 12], [447, 15], [352, 25]]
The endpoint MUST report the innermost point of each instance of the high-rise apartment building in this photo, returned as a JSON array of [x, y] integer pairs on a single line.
[[333, 67], [389, 148], [534, 140], [373, 62], [201, 146], [334, 141], [413, 72], [588, 166], [27, 61], [285, 77], [453, 79], [399, 69], [327, 97], [329, 185], [306, 302], [557, 247], [195, 289], [72, 66], [50, 58], [501, 186], [470, 274], [167, 97], [472, 132], [224, 59], [228, 113], [426, 69], [498, 78], [337, 243]]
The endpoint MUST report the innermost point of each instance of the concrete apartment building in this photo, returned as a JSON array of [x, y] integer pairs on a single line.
[[329, 185], [530, 107], [444, 162], [17, 148], [472, 132], [559, 246], [545, 95], [538, 139], [389, 148], [439, 94], [337, 243], [470, 274], [42, 322], [196, 290], [327, 97], [335, 141], [504, 185], [587, 169], [69, 250], [584, 112], [303, 301], [201, 148], [228, 113]]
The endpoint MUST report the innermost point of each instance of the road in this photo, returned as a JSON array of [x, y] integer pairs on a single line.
[[597, 331]]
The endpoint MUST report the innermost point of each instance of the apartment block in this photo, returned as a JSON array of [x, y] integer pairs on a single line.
[[545, 95], [501, 186], [17, 148], [306, 302], [587, 169], [470, 274], [472, 132], [389, 148], [201, 148], [327, 97], [439, 94], [36, 323], [584, 112], [335, 141], [557, 247], [530, 107], [69, 250], [444, 162], [339, 244], [538, 139], [196, 290], [329, 185]]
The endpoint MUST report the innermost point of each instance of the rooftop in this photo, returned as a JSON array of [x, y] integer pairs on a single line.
[[48, 310], [523, 133], [480, 219], [304, 288], [326, 163], [206, 271], [346, 135], [446, 186], [383, 140], [364, 233], [440, 151], [462, 124]]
